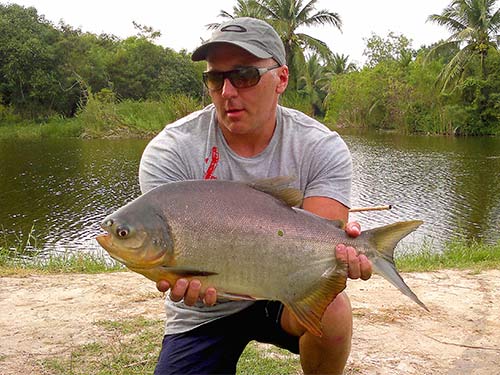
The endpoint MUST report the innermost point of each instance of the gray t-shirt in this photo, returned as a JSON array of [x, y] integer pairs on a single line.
[[194, 148]]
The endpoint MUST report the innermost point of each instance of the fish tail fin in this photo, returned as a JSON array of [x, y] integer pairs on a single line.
[[309, 310], [384, 240]]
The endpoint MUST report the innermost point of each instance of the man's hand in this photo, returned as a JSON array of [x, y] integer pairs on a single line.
[[359, 266], [190, 291]]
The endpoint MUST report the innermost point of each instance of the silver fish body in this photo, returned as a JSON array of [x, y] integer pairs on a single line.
[[247, 241]]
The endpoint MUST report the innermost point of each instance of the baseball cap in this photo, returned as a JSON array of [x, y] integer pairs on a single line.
[[253, 35]]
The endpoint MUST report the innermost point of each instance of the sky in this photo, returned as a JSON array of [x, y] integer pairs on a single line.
[[182, 23]]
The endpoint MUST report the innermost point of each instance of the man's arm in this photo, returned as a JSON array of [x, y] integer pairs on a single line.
[[359, 265]]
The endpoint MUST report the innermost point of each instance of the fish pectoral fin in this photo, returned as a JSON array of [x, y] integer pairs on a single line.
[[309, 310], [188, 272], [235, 297]]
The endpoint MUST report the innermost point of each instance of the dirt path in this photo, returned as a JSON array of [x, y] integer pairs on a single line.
[[44, 316]]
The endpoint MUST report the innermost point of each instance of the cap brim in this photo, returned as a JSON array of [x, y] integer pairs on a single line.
[[201, 52]]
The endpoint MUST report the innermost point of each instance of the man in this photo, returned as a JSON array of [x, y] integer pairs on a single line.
[[245, 135]]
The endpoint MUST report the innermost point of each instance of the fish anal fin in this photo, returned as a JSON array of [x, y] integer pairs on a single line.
[[278, 188], [310, 309]]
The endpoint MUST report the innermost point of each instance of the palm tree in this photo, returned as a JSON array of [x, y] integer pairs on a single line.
[[243, 8], [475, 27], [287, 16], [312, 84], [339, 64]]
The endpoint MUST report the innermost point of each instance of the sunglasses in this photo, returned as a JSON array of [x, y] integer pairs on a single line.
[[240, 78]]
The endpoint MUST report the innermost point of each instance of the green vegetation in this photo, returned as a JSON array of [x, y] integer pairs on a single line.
[[105, 116], [14, 262], [456, 255], [57, 80], [23, 257], [133, 347]]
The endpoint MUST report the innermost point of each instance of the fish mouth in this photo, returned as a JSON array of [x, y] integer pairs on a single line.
[[123, 255], [104, 240]]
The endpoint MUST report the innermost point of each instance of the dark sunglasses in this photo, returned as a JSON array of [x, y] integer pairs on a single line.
[[240, 78]]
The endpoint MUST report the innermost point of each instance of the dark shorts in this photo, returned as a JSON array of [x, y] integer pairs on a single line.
[[215, 347]]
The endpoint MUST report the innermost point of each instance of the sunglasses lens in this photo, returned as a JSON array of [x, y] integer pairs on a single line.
[[239, 78], [213, 80], [244, 77]]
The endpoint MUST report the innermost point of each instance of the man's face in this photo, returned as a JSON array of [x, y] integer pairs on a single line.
[[245, 111]]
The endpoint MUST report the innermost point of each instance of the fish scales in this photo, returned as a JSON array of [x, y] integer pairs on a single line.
[[246, 241]]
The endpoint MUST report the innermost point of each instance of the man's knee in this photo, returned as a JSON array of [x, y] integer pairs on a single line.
[[337, 319]]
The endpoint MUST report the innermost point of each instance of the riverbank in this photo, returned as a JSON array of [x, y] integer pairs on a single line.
[[112, 324], [104, 117]]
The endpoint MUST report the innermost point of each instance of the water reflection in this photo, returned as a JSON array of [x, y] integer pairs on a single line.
[[453, 184], [63, 188]]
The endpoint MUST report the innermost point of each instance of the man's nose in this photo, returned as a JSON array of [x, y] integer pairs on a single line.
[[228, 90]]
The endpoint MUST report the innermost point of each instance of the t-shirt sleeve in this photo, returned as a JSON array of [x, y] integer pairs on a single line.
[[161, 162], [330, 172]]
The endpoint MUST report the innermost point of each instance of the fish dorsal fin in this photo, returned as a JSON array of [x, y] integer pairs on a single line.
[[278, 188], [310, 309]]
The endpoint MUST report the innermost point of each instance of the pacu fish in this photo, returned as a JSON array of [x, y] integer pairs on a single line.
[[249, 241]]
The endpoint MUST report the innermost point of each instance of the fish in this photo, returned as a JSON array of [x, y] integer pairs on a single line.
[[249, 240]]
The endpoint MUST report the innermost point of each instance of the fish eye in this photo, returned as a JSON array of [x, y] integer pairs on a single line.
[[122, 231]]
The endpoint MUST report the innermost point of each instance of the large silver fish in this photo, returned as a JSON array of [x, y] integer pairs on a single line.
[[247, 241]]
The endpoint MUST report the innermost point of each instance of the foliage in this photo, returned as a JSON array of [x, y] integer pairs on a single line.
[[399, 94], [132, 87], [457, 254], [475, 26], [50, 70], [287, 16], [393, 48]]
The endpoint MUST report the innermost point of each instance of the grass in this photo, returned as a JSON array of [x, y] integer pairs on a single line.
[[457, 254], [14, 263], [105, 117], [132, 347]]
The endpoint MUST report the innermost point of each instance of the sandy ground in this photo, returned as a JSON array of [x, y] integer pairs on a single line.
[[48, 316]]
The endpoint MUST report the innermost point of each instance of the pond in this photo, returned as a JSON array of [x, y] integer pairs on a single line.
[[54, 193]]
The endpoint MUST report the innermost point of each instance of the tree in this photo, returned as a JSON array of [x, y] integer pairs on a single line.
[[287, 16], [28, 61], [475, 27], [340, 64], [392, 48], [312, 84]]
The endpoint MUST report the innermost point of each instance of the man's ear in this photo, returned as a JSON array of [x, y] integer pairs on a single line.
[[283, 77]]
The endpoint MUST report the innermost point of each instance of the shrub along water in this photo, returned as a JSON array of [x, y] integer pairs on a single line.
[[105, 116]]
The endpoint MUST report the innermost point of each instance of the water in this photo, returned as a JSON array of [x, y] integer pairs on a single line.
[[59, 190]]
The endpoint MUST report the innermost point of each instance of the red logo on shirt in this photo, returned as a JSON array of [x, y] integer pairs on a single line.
[[209, 174]]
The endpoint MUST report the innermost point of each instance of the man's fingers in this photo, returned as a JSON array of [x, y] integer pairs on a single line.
[[353, 229], [365, 267], [163, 285], [210, 297], [179, 290], [193, 293], [353, 262], [359, 266]]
